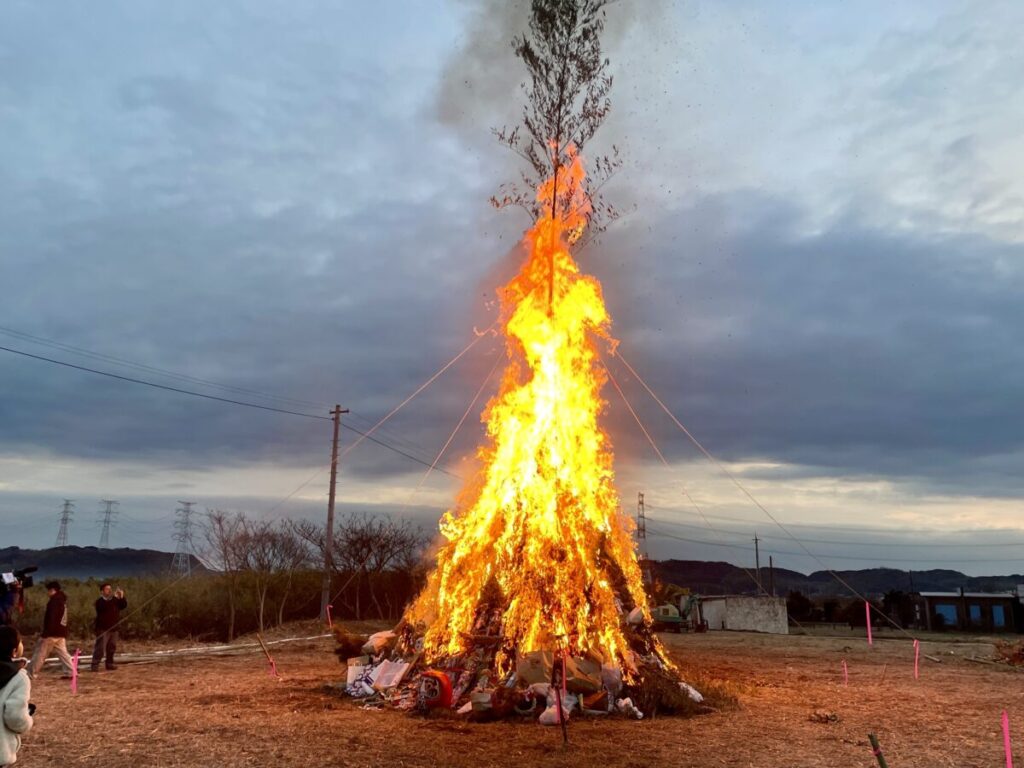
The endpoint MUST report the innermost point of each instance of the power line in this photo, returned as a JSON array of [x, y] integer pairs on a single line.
[[664, 461], [826, 526], [399, 451], [736, 481], [844, 542], [363, 435], [182, 377], [162, 386], [419, 389], [666, 534], [151, 369]]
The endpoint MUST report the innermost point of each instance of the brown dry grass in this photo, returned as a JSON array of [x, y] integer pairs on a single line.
[[227, 711]]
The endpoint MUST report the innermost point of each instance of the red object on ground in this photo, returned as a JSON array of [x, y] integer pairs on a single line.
[[437, 689]]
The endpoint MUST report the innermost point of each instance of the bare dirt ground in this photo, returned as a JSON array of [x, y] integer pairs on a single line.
[[793, 711]]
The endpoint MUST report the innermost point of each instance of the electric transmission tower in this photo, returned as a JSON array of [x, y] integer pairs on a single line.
[[641, 538], [182, 562], [65, 518], [641, 525], [109, 513]]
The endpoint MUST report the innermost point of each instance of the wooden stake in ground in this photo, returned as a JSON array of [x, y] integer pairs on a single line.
[[270, 659], [559, 697], [1006, 740], [876, 749]]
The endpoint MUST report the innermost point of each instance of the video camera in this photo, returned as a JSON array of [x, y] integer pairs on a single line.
[[15, 581]]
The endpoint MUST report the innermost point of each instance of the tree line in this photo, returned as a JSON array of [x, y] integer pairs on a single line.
[[375, 564], [259, 574]]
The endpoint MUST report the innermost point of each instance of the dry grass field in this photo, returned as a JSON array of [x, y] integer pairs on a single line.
[[793, 711]]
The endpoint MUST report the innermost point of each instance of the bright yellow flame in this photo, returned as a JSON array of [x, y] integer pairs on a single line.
[[541, 518]]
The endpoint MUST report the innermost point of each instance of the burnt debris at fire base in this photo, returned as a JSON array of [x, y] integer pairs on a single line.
[[389, 670]]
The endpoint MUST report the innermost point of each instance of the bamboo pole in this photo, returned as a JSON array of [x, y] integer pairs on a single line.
[[876, 749]]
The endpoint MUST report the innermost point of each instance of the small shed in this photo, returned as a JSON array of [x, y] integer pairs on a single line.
[[972, 611], [761, 613]]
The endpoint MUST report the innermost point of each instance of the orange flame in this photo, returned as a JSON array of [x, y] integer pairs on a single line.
[[541, 519]]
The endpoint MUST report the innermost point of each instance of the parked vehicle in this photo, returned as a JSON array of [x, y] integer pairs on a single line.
[[667, 619]]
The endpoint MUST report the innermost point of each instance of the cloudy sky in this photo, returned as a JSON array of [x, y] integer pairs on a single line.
[[818, 270]]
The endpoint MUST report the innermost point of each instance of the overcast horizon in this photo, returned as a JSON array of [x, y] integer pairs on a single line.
[[818, 269]]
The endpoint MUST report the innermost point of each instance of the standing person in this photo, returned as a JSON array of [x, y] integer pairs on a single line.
[[10, 593], [55, 632], [108, 614], [15, 711]]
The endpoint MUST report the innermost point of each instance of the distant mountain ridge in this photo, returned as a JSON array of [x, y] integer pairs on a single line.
[[90, 562], [710, 578]]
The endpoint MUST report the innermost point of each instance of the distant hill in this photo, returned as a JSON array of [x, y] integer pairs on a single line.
[[707, 578], [722, 578], [89, 562]]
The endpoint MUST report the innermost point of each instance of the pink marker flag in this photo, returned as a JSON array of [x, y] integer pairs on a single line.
[[74, 671], [273, 669], [867, 614], [846, 674], [1006, 740], [330, 623], [917, 657]]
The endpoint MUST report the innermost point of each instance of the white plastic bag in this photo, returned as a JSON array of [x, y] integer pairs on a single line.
[[692, 692], [628, 708], [550, 715]]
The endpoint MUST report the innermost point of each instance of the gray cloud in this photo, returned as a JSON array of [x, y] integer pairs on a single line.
[[854, 350], [822, 270]]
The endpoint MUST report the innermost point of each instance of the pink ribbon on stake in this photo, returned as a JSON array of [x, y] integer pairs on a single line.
[[563, 675], [74, 671], [846, 674], [330, 623], [273, 669], [867, 615], [1006, 740], [917, 657]]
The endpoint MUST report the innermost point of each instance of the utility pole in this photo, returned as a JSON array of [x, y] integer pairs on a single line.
[[325, 594], [65, 518], [771, 576], [182, 562], [757, 563], [109, 513]]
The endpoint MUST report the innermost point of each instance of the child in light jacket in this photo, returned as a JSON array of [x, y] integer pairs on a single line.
[[15, 715]]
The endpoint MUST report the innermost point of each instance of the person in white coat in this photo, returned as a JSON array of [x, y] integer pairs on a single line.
[[15, 686]]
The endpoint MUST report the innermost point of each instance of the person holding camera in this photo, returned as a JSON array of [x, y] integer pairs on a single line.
[[10, 599], [55, 632], [108, 615], [15, 687]]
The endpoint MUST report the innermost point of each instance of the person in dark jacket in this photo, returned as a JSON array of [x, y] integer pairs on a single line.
[[10, 594], [54, 638], [108, 616]]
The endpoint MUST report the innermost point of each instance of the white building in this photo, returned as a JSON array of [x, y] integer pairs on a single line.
[[746, 613]]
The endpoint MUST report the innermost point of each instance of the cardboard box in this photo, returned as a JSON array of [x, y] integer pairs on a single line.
[[535, 666]]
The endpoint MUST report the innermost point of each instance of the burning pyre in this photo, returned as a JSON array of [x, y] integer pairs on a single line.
[[537, 594]]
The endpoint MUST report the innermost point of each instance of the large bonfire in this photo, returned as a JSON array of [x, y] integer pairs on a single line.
[[538, 536], [537, 593]]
